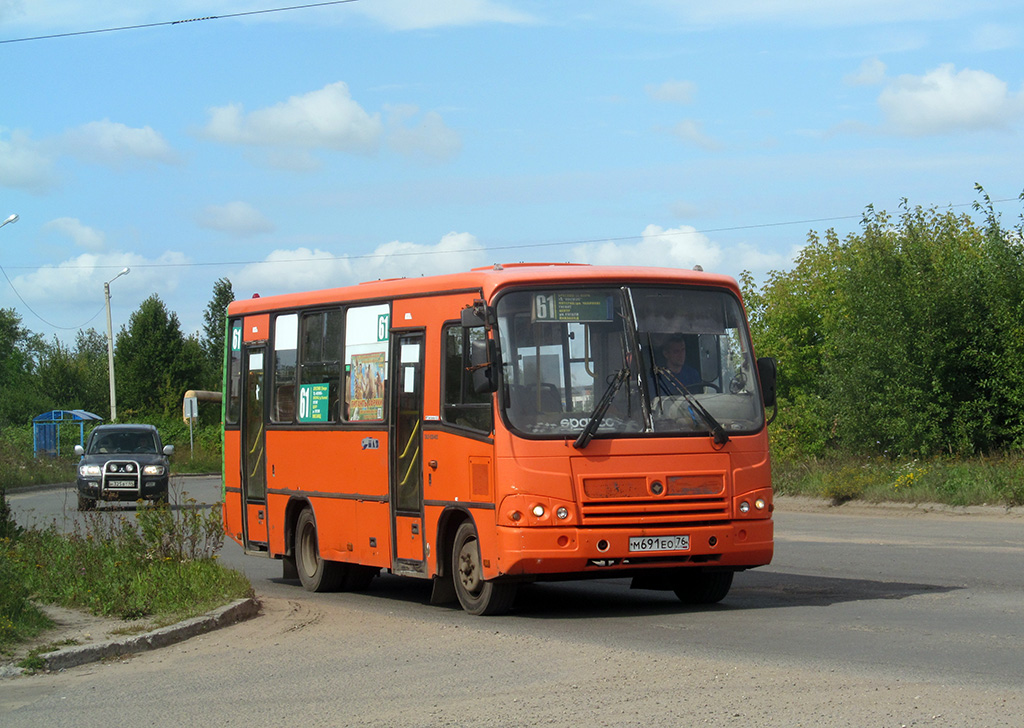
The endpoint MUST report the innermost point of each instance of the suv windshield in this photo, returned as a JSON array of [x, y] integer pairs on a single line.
[[639, 359], [124, 442]]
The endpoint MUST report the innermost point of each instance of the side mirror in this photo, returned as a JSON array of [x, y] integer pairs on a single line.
[[79, 450], [482, 355], [168, 450], [473, 316], [767, 372]]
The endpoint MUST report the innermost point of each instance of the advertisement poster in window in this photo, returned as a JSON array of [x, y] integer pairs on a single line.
[[366, 387]]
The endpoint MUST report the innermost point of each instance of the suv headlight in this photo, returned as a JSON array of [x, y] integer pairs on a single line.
[[89, 471], [153, 470]]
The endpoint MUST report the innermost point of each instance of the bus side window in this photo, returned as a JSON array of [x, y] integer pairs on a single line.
[[320, 366], [367, 334], [286, 335], [234, 377], [462, 406]]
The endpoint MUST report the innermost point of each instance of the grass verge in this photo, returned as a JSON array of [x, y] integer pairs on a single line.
[[159, 562], [993, 480]]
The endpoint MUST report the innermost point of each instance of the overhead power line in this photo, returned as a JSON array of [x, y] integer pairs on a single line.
[[179, 22], [36, 313], [495, 248]]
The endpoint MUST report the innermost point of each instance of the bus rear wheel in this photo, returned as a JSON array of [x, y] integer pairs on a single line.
[[315, 573], [703, 587], [476, 595]]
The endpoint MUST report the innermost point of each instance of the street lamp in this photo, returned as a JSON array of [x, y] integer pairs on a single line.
[[11, 218], [110, 345]]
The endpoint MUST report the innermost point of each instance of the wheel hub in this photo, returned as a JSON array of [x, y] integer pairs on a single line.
[[469, 570]]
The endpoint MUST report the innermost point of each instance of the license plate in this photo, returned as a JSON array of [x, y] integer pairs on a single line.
[[121, 484], [659, 543]]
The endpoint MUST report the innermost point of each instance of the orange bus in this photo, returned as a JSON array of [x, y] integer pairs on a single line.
[[505, 425]]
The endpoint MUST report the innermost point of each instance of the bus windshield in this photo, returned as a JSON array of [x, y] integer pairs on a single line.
[[638, 360]]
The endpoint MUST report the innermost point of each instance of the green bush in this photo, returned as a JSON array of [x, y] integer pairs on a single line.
[[161, 563], [903, 340]]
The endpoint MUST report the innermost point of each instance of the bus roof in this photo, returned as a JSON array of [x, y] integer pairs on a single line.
[[487, 280]]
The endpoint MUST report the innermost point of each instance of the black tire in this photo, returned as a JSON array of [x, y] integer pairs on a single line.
[[315, 573], [85, 503], [703, 587], [476, 595]]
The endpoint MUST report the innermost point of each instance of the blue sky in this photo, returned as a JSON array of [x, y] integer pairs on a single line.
[[325, 146]]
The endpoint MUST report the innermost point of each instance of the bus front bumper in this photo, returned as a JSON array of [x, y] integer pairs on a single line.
[[549, 551]]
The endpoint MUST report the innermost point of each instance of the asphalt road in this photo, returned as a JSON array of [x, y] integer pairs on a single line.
[[866, 617]]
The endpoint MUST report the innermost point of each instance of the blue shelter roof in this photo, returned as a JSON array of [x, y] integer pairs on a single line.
[[65, 415]]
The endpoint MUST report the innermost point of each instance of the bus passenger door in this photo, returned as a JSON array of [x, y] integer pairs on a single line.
[[254, 472], [406, 453]]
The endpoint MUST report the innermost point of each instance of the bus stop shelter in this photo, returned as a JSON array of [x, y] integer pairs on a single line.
[[46, 429]]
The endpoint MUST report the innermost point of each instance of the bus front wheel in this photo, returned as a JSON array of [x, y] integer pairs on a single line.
[[703, 587], [477, 595], [315, 573]]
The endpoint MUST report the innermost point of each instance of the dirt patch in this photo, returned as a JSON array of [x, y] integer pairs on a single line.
[[76, 627]]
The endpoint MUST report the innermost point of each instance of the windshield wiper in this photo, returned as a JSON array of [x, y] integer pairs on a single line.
[[718, 433], [602, 407]]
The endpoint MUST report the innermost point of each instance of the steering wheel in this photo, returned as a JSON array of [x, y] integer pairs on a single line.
[[714, 386]]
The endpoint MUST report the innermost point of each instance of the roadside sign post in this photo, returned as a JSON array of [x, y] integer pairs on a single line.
[[191, 411]]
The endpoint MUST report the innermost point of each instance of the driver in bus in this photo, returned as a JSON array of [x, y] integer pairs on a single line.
[[674, 370]]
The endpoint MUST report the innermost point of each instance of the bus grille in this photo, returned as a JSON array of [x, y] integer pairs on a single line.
[[654, 502]]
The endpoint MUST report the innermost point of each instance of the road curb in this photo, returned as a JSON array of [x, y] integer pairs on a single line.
[[237, 611]]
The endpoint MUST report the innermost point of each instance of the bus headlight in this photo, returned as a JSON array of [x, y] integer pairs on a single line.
[[753, 504], [538, 510], [562, 513]]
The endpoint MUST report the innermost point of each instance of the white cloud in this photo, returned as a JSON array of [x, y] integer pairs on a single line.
[[237, 218], [430, 140], [303, 269], [678, 92], [945, 100], [324, 119], [746, 257], [116, 145], [83, 236], [691, 131], [416, 14], [79, 281], [25, 164], [285, 271], [454, 252], [681, 247], [870, 73]]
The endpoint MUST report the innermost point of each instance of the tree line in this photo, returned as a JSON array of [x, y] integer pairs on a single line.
[[905, 339], [155, 363]]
